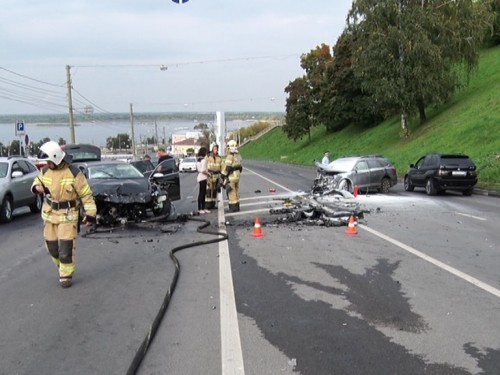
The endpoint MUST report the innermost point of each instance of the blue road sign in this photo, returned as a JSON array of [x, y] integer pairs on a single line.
[[20, 127]]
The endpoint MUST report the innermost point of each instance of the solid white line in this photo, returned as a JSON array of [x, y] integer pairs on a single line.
[[231, 353], [268, 180], [444, 266], [471, 216]]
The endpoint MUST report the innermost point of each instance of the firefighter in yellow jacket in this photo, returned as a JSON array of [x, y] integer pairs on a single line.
[[214, 164], [65, 189], [231, 171]]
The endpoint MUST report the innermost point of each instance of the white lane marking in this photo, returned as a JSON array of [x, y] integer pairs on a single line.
[[471, 216], [268, 180], [246, 212], [444, 266], [231, 353], [276, 196]]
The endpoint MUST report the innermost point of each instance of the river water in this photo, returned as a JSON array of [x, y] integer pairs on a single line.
[[96, 132]]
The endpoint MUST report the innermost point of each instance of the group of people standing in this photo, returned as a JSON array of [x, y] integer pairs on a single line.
[[214, 173]]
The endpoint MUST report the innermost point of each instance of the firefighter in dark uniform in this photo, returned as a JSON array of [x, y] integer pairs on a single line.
[[214, 164], [65, 189], [231, 171]]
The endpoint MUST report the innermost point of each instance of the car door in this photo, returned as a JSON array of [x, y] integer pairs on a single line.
[[21, 186], [417, 173], [362, 174], [376, 173], [170, 179]]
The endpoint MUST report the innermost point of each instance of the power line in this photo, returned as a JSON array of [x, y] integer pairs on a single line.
[[165, 66], [32, 79]]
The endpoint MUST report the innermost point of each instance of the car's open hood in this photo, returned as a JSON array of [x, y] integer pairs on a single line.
[[121, 191], [329, 168]]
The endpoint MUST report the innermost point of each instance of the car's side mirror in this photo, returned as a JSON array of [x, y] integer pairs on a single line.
[[158, 175], [17, 174], [412, 165]]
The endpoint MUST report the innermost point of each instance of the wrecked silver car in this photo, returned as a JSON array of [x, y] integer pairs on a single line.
[[123, 194], [366, 172]]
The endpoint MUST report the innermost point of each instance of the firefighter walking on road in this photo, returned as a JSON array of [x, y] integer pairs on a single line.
[[214, 164], [65, 189], [231, 171]]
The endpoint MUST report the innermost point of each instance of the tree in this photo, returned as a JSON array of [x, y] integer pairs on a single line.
[[121, 141], [348, 103], [318, 64], [207, 134], [408, 51], [493, 35], [14, 148], [298, 119]]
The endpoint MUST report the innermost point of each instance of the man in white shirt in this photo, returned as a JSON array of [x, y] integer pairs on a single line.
[[326, 158]]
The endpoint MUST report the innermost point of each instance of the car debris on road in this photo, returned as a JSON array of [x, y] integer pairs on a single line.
[[331, 208]]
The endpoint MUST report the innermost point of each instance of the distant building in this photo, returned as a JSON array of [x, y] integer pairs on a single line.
[[181, 142], [183, 146]]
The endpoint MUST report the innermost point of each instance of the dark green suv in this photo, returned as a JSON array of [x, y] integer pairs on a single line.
[[439, 172]]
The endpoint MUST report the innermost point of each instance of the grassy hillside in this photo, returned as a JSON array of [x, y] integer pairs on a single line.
[[469, 124]]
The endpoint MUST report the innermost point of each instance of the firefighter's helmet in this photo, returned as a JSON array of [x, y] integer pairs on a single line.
[[51, 151]]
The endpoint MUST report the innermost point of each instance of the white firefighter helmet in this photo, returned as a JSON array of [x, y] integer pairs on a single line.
[[232, 146], [51, 151]]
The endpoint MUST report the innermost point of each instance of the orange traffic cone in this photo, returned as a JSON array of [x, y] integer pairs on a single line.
[[351, 227], [257, 230]]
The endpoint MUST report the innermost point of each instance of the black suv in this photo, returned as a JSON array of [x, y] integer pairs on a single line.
[[439, 172]]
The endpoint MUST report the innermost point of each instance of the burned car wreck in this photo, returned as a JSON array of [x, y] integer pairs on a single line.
[[123, 194]]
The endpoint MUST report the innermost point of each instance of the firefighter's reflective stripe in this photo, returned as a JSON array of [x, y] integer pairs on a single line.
[[214, 163], [60, 216], [234, 161]]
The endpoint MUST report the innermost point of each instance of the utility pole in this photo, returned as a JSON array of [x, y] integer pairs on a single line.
[[132, 127], [156, 134], [70, 105]]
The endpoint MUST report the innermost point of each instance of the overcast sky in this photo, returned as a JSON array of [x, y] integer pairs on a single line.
[[217, 55]]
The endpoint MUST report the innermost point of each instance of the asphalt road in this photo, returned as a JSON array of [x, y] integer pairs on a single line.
[[416, 291]]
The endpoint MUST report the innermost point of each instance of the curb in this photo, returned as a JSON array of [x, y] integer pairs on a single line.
[[488, 193]]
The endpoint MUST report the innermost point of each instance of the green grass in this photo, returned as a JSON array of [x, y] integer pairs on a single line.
[[468, 124]]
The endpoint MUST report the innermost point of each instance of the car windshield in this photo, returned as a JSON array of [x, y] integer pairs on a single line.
[[119, 171], [342, 165], [3, 169]]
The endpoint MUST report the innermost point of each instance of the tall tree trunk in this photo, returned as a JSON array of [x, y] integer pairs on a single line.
[[405, 132], [421, 111]]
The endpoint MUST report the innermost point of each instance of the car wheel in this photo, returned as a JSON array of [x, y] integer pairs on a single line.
[[408, 185], [36, 206], [6, 210], [467, 192], [430, 189], [345, 185], [385, 185]]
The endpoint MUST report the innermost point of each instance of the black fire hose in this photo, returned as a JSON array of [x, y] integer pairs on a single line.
[[141, 352]]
